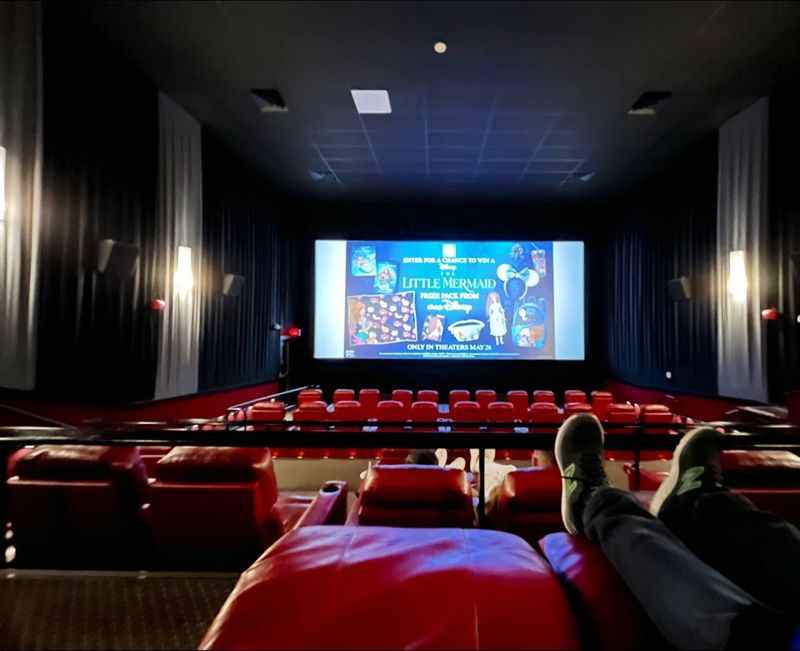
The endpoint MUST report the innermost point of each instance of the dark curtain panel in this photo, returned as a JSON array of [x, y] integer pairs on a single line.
[[242, 235], [783, 335], [97, 336], [666, 230]]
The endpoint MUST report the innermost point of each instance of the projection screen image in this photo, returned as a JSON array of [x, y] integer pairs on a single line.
[[518, 300]]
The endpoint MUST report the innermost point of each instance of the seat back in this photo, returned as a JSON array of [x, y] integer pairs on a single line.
[[405, 397], [389, 411], [346, 410], [340, 395], [601, 400], [483, 397], [423, 412], [457, 395], [541, 395], [310, 411], [528, 503], [576, 408], [500, 413], [209, 504], [369, 399], [545, 413], [428, 395], [575, 395], [309, 395], [266, 412], [466, 411], [75, 503], [415, 496], [520, 401]]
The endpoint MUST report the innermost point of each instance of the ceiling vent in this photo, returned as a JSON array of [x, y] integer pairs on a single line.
[[269, 100], [646, 104]]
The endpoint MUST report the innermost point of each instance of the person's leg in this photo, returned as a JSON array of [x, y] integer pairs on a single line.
[[691, 604], [757, 550]]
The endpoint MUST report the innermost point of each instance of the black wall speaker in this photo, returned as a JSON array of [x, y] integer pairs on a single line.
[[116, 258], [232, 285], [680, 289]]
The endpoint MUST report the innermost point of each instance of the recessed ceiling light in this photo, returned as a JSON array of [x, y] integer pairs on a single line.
[[372, 101], [587, 177], [269, 100], [647, 101], [440, 47]]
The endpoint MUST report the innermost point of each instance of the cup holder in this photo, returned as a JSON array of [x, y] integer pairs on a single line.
[[330, 488]]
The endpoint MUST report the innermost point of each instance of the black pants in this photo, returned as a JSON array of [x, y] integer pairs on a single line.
[[728, 581]]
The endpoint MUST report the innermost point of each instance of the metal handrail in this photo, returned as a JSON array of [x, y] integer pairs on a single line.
[[273, 396]]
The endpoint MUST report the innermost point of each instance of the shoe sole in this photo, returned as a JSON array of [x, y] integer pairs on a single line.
[[566, 513], [669, 485]]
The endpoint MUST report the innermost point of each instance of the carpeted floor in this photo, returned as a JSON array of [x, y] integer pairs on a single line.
[[83, 610]]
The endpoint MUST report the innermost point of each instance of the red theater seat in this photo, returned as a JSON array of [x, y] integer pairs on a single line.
[[428, 395], [424, 412], [344, 411], [624, 416], [465, 411], [483, 397], [770, 479], [414, 496], [528, 503], [266, 412], [341, 395], [369, 399], [576, 408], [220, 506], [391, 411], [457, 395], [77, 504], [601, 401], [404, 396], [385, 588], [574, 395], [610, 617], [544, 396], [309, 395], [520, 401], [310, 411], [545, 413]]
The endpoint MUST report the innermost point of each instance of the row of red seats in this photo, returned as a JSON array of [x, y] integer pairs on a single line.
[[521, 401], [204, 507]]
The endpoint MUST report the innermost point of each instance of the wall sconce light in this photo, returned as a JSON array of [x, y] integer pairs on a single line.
[[737, 277], [2, 184], [183, 279]]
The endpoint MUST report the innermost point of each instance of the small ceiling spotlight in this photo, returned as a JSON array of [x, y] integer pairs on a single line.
[[440, 47], [587, 177]]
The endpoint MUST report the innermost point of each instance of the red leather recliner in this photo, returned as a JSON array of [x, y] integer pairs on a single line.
[[541, 395], [309, 395], [404, 396], [601, 401], [528, 503], [391, 588], [428, 395], [572, 408], [220, 506], [391, 411], [624, 416], [369, 399], [484, 397], [78, 505], [414, 496], [340, 395], [457, 395], [574, 395], [520, 401]]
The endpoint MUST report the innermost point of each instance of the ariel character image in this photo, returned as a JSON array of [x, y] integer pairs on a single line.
[[497, 318]]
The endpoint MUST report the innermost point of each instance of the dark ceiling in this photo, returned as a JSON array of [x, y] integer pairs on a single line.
[[529, 96]]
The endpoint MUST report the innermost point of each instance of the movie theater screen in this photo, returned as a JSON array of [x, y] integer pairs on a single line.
[[449, 300]]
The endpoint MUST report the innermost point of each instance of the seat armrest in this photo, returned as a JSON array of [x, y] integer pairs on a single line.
[[328, 507]]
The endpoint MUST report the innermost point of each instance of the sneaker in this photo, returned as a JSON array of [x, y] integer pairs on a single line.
[[695, 464], [579, 454]]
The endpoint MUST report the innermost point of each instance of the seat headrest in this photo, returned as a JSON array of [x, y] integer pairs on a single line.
[[390, 410], [533, 489], [266, 411], [500, 412], [655, 409], [466, 410], [77, 462], [412, 486], [621, 413], [185, 464]]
